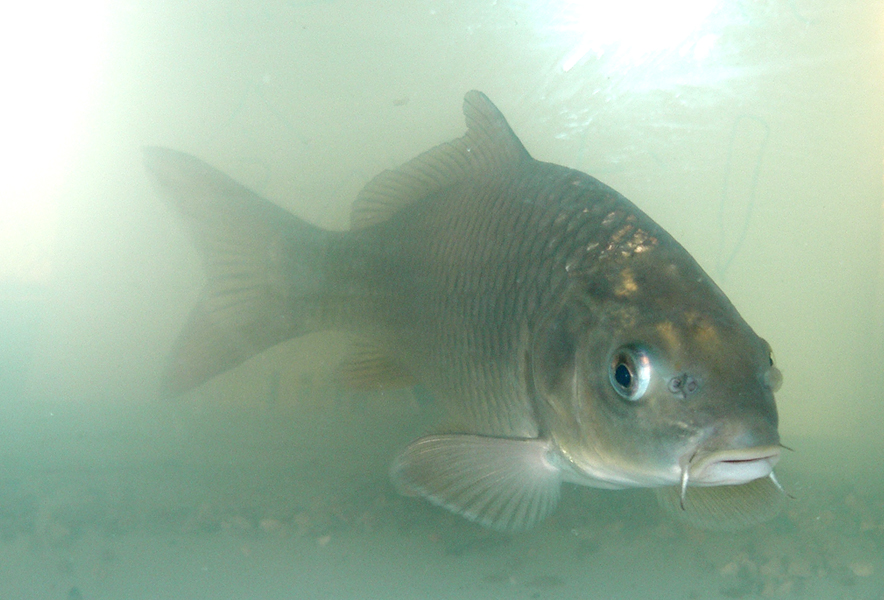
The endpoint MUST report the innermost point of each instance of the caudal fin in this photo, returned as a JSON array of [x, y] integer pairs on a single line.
[[263, 267]]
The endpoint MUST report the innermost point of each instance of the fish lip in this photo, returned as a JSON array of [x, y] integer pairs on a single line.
[[733, 467]]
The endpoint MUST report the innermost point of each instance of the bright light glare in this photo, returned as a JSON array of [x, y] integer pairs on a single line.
[[51, 55], [631, 29]]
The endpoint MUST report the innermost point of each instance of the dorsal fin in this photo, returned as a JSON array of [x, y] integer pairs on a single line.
[[489, 145]]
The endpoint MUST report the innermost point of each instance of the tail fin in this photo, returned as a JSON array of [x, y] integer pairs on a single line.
[[263, 265]]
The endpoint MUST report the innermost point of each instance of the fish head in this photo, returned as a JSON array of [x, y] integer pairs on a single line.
[[663, 385]]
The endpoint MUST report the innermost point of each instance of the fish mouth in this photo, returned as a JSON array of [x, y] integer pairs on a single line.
[[731, 467]]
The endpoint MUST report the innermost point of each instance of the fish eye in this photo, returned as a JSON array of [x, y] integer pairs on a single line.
[[770, 355], [773, 378], [630, 372]]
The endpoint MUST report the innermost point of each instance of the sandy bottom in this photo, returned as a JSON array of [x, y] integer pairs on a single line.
[[169, 532]]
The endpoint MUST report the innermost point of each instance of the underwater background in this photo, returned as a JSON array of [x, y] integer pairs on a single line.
[[753, 131]]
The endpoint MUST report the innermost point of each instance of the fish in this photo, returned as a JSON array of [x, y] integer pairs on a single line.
[[569, 338]]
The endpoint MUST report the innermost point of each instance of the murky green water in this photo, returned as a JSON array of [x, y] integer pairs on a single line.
[[753, 132]]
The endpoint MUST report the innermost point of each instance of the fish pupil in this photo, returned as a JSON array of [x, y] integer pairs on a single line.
[[623, 376]]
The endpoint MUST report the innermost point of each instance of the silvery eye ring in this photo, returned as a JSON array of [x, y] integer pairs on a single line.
[[630, 372]]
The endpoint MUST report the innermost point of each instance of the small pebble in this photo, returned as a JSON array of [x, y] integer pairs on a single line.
[[862, 569], [270, 525], [236, 522]]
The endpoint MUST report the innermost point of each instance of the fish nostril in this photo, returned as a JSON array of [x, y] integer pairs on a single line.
[[682, 385]]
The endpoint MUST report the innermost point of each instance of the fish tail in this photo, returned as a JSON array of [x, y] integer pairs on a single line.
[[264, 270]]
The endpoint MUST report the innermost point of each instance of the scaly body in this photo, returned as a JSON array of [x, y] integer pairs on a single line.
[[569, 337]]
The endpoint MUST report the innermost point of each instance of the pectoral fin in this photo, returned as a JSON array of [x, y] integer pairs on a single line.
[[725, 507], [505, 484]]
